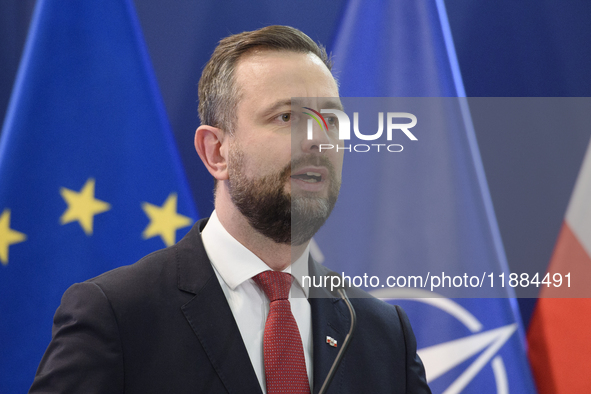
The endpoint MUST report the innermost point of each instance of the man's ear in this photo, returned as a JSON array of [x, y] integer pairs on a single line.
[[209, 145]]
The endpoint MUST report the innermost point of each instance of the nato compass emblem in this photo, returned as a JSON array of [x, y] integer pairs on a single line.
[[480, 345]]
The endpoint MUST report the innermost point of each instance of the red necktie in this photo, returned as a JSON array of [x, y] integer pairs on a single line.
[[285, 365]]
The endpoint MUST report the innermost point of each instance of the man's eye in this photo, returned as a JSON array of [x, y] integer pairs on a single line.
[[331, 120], [285, 117]]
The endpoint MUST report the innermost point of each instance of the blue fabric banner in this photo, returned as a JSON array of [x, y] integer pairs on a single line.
[[427, 206], [90, 178]]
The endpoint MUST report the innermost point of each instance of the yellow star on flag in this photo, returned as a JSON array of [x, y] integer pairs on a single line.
[[82, 206], [164, 221], [8, 236]]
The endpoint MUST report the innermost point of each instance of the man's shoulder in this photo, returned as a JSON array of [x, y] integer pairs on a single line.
[[156, 265], [157, 273], [378, 314]]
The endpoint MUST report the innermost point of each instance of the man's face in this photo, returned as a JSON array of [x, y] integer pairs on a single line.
[[278, 179]]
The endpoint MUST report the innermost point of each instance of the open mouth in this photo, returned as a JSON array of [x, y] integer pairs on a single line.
[[310, 177]]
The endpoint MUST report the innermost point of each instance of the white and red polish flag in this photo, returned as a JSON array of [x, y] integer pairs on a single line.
[[559, 334]]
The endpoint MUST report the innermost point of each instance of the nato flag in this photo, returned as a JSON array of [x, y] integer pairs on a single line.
[[426, 206]]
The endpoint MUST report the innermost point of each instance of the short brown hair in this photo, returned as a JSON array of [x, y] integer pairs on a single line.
[[218, 93]]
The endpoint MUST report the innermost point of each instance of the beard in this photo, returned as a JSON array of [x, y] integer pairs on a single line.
[[270, 210]]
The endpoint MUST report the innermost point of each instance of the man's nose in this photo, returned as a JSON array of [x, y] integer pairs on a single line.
[[315, 137]]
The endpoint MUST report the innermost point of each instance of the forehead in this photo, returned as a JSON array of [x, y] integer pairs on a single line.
[[268, 76]]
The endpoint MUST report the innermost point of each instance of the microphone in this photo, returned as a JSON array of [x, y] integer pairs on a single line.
[[348, 338]]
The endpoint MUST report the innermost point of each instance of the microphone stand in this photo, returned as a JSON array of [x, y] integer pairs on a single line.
[[348, 338]]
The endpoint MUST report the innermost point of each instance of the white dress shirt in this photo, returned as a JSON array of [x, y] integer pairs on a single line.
[[234, 266]]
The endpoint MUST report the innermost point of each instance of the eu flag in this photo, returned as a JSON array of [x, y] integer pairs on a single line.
[[428, 204], [89, 174]]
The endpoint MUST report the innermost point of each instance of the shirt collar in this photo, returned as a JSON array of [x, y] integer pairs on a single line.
[[235, 263]]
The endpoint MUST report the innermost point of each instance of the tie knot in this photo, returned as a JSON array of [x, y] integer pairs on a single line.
[[275, 284]]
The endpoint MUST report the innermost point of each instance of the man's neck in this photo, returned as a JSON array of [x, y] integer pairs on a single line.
[[277, 256]]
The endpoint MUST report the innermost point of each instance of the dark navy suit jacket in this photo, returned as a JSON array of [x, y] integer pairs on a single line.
[[163, 325]]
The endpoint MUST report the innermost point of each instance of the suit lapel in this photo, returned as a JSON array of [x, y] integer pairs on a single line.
[[330, 317], [210, 316]]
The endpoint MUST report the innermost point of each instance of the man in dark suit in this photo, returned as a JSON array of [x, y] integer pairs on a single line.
[[212, 314]]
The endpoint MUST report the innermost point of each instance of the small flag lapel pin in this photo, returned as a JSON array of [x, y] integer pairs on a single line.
[[331, 341]]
